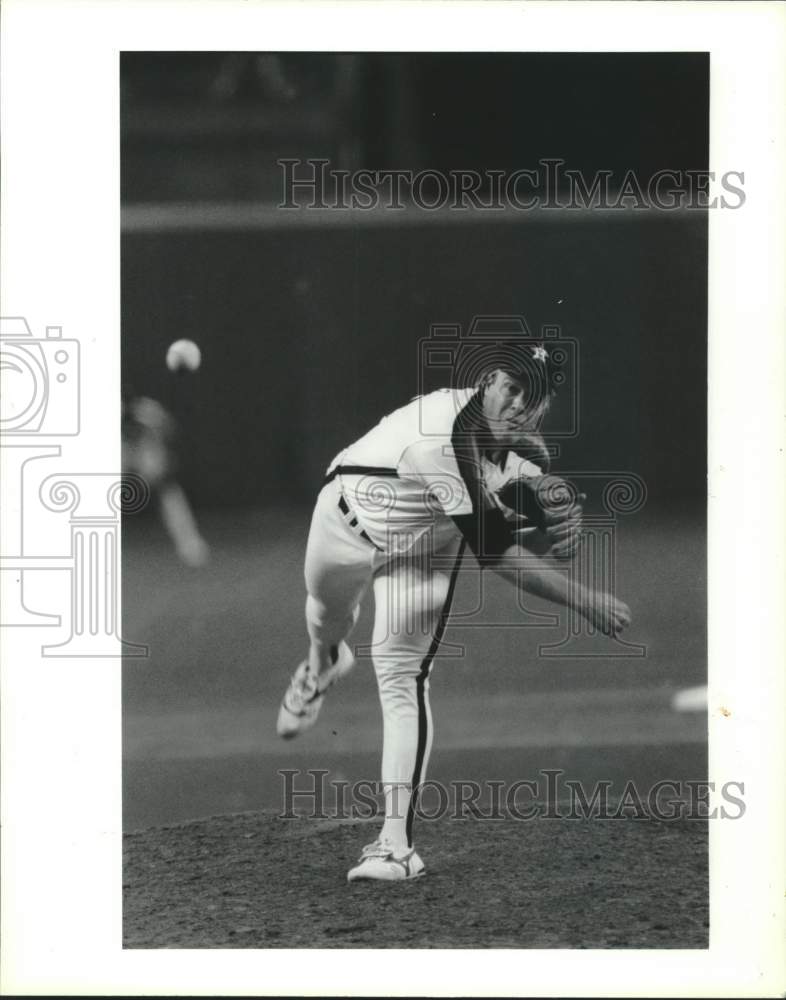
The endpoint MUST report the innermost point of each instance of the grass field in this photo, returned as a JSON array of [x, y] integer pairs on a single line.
[[199, 742]]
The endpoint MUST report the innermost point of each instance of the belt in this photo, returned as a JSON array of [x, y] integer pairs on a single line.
[[352, 521]]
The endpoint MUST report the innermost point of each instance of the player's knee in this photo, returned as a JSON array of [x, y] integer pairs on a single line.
[[397, 687], [398, 667], [437, 590], [320, 615], [422, 595], [317, 612]]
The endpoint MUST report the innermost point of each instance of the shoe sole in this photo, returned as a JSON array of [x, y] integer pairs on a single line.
[[374, 878], [304, 721], [395, 865]]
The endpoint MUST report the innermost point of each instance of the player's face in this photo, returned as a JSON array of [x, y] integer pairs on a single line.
[[507, 410]]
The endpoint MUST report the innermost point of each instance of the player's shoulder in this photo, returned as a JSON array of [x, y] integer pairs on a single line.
[[429, 443], [439, 410], [421, 430], [433, 417]]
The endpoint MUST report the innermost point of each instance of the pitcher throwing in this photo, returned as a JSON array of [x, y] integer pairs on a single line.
[[451, 469]]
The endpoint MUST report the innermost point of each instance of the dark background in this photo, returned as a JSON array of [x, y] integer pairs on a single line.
[[310, 332]]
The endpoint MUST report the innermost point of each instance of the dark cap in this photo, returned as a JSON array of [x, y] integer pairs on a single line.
[[528, 361]]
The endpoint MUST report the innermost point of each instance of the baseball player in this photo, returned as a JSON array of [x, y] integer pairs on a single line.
[[148, 436], [454, 469]]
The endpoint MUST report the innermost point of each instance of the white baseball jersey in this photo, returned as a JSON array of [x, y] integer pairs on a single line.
[[405, 479]]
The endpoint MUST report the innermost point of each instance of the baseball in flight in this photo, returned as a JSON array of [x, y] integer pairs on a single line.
[[183, 356]]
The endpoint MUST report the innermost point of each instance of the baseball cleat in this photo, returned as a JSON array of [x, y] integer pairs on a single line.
[[379, 861], [303, 698]]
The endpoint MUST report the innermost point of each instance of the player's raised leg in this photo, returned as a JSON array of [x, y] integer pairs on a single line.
[[412, 605], [338, 570]]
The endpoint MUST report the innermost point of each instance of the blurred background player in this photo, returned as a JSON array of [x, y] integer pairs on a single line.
[[149, 436], [396, 512]]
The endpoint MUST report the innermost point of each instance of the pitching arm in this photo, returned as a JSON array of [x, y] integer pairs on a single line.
[[491, 542]]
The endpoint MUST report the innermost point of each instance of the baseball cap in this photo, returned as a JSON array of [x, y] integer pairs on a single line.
[[532, 364]]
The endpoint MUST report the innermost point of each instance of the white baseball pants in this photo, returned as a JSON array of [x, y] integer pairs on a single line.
[[412, 601]]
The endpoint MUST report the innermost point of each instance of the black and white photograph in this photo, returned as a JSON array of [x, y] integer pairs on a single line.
[[414, 362], [392, 496]]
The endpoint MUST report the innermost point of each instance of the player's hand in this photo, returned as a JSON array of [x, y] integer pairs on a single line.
[[608, 614]]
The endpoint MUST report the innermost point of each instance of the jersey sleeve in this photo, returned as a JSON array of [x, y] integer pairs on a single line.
[[457, 487], [432, 463], [516, 468]]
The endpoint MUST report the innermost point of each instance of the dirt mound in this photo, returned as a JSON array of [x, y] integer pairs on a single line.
[[252, 880]]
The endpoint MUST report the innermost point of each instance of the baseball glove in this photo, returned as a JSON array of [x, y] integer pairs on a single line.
[[550, 503]]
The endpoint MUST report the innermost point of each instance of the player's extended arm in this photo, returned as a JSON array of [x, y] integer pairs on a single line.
[[533, 575], [489, 538]]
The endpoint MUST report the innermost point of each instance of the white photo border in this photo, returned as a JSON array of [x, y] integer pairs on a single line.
[[61, 918]]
